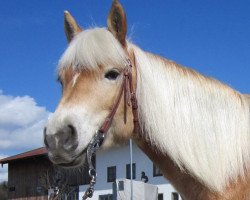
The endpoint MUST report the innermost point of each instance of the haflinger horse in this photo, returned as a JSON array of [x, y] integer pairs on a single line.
[[194, 128]]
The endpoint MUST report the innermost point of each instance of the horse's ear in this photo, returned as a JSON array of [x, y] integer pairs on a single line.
[[70, 26], [117, 23]]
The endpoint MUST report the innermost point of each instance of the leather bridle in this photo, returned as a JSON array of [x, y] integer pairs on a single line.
[[127, 90]]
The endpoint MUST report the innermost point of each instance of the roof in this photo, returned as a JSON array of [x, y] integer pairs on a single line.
[[33, 153]]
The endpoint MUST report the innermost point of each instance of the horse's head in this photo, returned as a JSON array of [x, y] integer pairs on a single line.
[[91, 74]]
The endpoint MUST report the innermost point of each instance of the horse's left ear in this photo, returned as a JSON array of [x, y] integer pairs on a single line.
[[70, 26], [117, 23]]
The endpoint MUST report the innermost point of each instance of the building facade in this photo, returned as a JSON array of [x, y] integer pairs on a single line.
[[31, 176], [114, 164], [24, 172]]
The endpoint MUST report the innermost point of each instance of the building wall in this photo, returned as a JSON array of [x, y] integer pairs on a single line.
[[27, 178], [119, 157], [23, 180]]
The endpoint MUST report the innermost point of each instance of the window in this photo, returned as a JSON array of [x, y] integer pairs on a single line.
[[128, 171], [156, 171], [111, 174], [175, 196], [160, 196], [105, 197], [121, 185], [12, 189]]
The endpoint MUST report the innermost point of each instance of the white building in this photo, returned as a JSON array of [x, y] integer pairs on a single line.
[[114, 164]]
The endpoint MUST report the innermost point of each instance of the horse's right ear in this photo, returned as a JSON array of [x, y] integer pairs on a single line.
[[117, 23], [70, 26]]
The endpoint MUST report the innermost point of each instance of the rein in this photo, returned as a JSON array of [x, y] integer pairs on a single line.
[[128, 92]]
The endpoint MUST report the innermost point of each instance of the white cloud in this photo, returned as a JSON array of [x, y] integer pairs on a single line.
[[21, 123], [21, 126]]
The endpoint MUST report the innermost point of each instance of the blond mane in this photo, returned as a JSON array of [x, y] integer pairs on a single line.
[[202, 124]]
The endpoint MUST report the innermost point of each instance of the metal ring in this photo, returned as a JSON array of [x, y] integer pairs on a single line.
[[92, 172]]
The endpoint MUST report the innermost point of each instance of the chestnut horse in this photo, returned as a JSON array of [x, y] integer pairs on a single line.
[[194, 128]]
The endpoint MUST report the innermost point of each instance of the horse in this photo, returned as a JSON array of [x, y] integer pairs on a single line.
[[194, 128]]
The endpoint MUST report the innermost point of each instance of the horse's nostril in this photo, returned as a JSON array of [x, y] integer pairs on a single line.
[[44, 130], [70, 141], [46, 143], [49, 140], [45, 138], [72, 130]]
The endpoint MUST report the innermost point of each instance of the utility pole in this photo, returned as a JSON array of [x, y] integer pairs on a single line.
[[131, 168]]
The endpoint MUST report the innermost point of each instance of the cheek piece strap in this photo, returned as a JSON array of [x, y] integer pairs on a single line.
[[129, 96]]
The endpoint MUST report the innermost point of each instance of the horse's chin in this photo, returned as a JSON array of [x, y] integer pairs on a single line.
[[78, 161]]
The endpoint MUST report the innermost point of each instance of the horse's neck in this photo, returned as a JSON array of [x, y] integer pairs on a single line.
[[248, 98], [188, 187], [185, 184]]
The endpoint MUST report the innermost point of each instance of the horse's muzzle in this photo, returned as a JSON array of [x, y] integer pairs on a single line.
[[61, 142]]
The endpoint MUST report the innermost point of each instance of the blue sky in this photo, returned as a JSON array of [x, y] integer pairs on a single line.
[[210, 36]]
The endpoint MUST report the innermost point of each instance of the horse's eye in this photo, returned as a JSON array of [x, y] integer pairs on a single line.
[[112, 74]]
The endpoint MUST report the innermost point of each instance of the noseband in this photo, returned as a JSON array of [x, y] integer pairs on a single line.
[[128, 93]]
